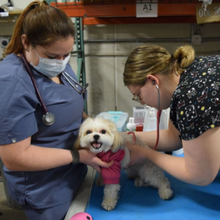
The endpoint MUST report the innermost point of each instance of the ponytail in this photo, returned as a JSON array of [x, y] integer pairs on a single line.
[[15, 44], [184, 56], [42, 24]]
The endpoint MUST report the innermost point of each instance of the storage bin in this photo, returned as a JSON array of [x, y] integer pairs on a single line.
[[118, 117]]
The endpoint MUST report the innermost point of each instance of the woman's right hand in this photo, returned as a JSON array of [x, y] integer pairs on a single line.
[[137, 153], [89, 158]]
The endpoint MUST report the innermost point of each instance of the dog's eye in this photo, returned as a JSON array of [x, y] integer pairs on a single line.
[[103, 131], [88, 132]]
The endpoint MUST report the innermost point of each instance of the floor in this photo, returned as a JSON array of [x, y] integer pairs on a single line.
[[7, 213], [78, 204]]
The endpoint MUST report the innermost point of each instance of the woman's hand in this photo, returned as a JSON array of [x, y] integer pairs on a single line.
[[137, 153], [88, 158]]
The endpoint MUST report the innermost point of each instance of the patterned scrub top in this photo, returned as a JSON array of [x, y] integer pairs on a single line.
[[195, 105]]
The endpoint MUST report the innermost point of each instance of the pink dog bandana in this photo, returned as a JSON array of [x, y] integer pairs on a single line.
[[111, 175]]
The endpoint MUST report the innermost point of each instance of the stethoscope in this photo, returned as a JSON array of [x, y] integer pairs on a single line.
[[49, 118], [158, 116]]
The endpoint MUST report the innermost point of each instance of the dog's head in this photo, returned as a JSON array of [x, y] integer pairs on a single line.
[[99, 135]]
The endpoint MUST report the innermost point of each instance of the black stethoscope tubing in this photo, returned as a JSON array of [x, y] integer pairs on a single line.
[[48, 118], [68, 78]]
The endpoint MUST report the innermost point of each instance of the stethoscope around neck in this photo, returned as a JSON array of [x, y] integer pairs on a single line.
[[49, 118]]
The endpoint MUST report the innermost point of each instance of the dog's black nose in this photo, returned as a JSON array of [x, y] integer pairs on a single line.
[[96, 137]]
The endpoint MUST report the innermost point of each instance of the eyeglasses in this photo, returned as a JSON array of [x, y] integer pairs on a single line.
[[137, 98]]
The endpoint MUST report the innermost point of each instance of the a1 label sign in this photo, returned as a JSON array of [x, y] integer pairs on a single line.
[[146, 9]]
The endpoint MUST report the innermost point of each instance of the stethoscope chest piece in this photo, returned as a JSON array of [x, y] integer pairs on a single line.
[[48, 118]]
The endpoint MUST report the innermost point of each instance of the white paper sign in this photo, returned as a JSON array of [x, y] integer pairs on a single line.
[[4, 14], [146, 8]]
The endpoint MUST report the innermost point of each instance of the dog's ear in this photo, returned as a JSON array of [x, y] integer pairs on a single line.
[[80, 134], [118, 142], [77, 144]]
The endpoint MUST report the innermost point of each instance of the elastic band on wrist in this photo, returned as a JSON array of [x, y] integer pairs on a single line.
[[75, 156]]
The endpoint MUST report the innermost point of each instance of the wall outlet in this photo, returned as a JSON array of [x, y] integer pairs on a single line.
[[196, 39]]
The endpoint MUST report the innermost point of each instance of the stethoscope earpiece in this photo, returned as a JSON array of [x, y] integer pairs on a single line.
[[48, 118]]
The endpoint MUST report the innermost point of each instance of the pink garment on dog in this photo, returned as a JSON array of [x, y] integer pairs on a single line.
[[111, 175]]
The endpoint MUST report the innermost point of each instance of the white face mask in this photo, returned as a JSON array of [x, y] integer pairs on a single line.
[[51, 67]]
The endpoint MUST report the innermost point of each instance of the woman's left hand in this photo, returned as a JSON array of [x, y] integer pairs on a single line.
[[89, 158]]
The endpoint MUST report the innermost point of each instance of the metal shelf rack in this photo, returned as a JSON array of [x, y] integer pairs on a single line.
[[92, 12], [124, 11]]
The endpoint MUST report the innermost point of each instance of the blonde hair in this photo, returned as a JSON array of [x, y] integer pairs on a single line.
[[42, 24], [152, 59]]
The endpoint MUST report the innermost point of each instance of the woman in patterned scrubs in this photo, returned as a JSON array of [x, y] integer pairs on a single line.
[[190, 87]]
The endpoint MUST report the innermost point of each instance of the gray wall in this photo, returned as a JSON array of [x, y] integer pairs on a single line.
[[105, 60]]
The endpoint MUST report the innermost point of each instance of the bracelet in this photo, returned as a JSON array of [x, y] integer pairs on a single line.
[[75, 156]]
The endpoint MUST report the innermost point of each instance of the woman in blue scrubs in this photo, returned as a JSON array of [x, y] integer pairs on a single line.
[[43, 172]]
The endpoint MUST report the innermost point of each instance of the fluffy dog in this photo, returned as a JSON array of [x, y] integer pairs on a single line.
[[101, 137]]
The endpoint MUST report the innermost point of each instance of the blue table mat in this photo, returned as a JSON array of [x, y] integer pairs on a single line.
[[188, 202]]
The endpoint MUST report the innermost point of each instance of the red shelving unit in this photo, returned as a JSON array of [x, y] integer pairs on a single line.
[[122, 11]]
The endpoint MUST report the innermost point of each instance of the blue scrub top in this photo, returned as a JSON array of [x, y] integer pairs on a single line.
[[21, 117]]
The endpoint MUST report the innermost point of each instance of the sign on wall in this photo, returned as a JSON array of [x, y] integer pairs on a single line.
[[211, 14], [146, 9]]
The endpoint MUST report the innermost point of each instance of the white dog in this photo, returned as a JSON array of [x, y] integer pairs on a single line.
[[100, 136]]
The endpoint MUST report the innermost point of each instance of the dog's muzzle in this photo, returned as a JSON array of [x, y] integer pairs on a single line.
[[96, 144]]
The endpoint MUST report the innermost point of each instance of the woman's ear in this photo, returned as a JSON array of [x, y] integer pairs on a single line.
[[153, 79], [25, 42]]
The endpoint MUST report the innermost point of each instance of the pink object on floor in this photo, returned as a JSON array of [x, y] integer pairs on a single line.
[[81, 216]]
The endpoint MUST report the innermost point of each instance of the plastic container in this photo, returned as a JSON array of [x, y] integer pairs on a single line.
[[131, 126], [139, 126], [139, 114], [150, 121], [118, 117]]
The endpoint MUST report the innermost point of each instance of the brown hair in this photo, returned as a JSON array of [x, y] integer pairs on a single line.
[[152, 59], [42, 24]]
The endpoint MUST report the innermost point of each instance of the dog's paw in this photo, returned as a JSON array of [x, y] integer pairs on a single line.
[[109, 204], [165, 193]]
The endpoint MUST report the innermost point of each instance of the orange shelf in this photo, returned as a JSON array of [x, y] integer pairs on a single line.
[[79, 9], [103, 12], [115, 20]]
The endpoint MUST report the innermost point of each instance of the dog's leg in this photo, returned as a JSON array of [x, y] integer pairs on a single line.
[[164, 190], [151, 175], [110, 198]]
